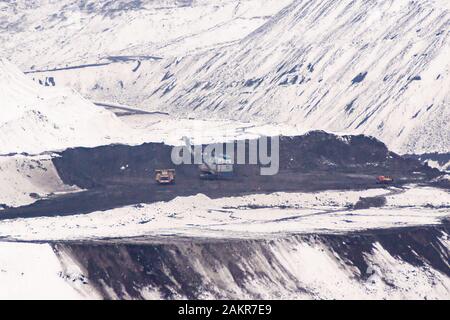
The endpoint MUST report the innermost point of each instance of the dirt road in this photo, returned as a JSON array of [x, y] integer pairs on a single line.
[[115, 176]]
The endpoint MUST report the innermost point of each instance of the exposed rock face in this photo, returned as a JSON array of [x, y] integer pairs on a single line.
[[405, 263]]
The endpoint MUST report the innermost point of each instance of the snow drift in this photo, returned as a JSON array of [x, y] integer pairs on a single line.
[[25, 180], [34, 119], [33, 271]]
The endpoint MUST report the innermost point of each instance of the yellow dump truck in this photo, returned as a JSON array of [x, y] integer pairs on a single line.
[[165, 176]]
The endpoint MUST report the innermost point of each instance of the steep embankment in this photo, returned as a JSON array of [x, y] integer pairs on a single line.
[[392, 264], [409, 263]]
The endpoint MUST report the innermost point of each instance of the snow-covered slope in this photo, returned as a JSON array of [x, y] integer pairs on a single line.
[[34, 119], [34, 271], [407, 264], [25, 180], [284, 245], [435, 164], [375, 67], [47, 33], [404, 264]]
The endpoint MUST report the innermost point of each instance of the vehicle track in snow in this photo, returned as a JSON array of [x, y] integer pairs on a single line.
[[391, 191]]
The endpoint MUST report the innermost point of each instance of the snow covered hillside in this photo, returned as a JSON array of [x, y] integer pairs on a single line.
[[34, 119], [375, 67], [48, 33], [95, 94]]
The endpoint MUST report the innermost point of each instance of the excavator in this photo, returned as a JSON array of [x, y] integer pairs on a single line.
[[218, 167], [213, 167]]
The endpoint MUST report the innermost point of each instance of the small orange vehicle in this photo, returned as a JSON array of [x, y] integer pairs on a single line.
[[385, 180], [165, 176]]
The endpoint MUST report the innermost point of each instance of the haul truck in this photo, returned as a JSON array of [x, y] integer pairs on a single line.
[[385, 180], [165, 176]]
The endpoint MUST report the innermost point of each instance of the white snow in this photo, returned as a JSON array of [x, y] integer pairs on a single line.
[[305, 77], [56, 33], [302, 77], [323, 276], [420, 197], [406, 281], [171, 130], [252, 216], [442, 167], [328, 45], [34, 119], [33, 271], [21, 177]]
